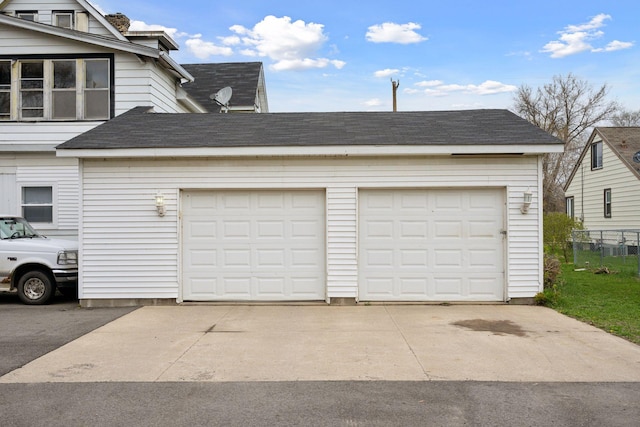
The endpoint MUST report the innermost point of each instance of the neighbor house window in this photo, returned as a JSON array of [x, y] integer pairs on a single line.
[[56, 89], [63, 19], [37, 204], [5, 90], [569, 202], [596, 155], [607, 203]]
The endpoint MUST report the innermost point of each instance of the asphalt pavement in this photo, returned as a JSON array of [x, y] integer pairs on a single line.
[[28, 332]]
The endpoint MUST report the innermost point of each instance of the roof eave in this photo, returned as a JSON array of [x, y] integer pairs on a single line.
[[79, 36], [312, 151]]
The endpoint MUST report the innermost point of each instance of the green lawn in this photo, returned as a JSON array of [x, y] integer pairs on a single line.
[[608, 301]]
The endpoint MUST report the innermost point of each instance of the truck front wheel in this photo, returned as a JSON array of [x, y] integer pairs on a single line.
[[35, 287]]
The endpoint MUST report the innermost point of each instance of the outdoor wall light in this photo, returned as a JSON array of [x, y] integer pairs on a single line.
[[160, 204], [527, 201]]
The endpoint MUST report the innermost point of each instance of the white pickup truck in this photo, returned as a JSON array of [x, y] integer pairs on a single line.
[[35, 265]]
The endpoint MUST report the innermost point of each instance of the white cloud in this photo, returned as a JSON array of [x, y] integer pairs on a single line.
[[614, 45], [291, 44], [230, 41], [438, 88], [577, 38], [387, 72], [375, 102], [306, 64], [143, 26], [429, 83], [203, 49], [390, 32]]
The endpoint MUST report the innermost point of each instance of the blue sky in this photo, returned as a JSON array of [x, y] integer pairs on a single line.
[[341, 55]]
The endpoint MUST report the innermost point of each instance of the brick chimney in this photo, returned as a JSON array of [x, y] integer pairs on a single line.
[[120, 21]]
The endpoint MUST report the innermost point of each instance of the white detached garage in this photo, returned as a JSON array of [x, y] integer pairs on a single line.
[[419, 206]]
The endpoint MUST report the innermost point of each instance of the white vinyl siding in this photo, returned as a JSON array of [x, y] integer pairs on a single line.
[[15, 41], [342, 244], [139, 84], [64, 181], [121, 225], [16, 136], [8, 202], [587, 189]]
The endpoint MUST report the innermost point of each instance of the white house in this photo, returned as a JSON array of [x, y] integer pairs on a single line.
[[603, 190], [64, 69], [335, 207]]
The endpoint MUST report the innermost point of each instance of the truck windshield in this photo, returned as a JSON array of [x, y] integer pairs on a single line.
[[16, 228]]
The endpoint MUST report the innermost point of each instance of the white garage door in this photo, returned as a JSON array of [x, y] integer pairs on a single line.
[[253, 245], [431, 245]]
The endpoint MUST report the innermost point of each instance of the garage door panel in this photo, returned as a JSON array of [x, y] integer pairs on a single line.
[[202, 258], [421, 245], [259, 241], [417, 286], [447, 258], [414, 229], [479, 259], [414, 258], [270, 258], [449, 202], [443, 229], [448, 288]]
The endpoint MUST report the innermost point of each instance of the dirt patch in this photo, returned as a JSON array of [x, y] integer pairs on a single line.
[[497, 327]]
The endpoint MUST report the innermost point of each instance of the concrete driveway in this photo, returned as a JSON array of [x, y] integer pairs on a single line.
[[215, 343]]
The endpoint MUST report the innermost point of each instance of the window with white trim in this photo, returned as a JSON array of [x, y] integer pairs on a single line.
[[29, 15], [55, 89], [607, 203], [570, 206], [37, 203], [63, 19], [596, 155]]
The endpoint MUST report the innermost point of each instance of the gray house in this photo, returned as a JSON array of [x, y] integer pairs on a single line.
[[334, 207]]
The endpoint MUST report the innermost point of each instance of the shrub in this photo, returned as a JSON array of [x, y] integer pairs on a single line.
[[552, 270], [557, 233]]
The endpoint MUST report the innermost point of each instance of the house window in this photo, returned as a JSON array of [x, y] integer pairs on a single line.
[[596, 155], [569, 203], [32, 89], [60, 89], [64, 90], [96, 101], [5, 90], [607, 203], [29, 15], [37, 204], [63, 19]]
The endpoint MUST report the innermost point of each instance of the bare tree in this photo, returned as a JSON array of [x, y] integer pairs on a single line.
[[566, 108], [626, 118]]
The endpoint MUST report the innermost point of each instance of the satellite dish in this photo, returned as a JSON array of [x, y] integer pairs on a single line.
[[222, 97]]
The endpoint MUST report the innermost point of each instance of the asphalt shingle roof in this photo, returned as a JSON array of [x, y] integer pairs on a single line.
[[624, 140], [140, 129], [242, 77]]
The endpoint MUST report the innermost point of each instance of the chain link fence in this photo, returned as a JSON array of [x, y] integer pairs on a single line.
[[616, 249]]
